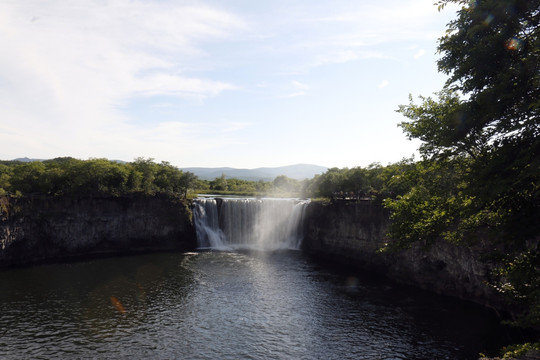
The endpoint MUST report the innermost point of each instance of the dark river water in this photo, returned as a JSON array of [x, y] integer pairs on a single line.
[[227, 305]]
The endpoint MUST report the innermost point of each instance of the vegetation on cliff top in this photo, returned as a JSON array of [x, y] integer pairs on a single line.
[[65, 176], [69, 176], [280, 186]]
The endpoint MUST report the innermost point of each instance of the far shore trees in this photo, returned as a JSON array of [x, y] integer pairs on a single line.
[[63, 176]]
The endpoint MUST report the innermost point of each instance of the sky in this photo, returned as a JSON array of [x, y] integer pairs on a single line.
[[238, 83]]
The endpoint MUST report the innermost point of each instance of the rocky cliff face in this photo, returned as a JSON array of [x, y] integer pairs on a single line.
[[42, 228], [352, 233]]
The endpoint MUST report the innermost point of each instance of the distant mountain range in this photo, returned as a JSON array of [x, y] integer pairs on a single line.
[[298, 171], [25, 159]]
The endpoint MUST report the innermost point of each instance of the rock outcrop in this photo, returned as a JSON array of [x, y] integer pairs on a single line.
[[353, 232], [51, 228]]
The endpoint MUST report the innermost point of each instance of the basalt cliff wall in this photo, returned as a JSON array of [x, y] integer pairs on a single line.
[[35, 229], [351, 233]]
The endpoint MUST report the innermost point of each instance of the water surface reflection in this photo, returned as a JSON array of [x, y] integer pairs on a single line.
[[226, 305]]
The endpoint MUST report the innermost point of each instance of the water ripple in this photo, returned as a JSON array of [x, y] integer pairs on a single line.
[[223, 305]]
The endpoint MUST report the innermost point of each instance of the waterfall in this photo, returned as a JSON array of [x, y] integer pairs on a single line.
[[233, 223]]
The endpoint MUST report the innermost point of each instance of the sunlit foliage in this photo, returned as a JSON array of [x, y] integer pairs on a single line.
[[374, 181], [62, 176], [281, 185], [480, 169]]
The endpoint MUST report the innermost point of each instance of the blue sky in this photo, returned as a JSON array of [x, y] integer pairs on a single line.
[[237, 83]]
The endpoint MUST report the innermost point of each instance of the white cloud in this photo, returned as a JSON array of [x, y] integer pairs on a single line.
[[296, 94], [299, 85], [234, 126], [299, 89], [91, 78], [173, 85], [343, 56], [66, 66], [383, 84], [419, 54], [340, 32]]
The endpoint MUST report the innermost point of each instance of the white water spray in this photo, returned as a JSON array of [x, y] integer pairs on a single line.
[[263, 224]]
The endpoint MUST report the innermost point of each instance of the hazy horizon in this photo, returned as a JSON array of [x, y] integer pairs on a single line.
[[26, 158]]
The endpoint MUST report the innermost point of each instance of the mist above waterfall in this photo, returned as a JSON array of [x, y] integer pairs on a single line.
[[249, 223]]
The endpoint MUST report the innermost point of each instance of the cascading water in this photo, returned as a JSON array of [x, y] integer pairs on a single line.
[[265, 224]]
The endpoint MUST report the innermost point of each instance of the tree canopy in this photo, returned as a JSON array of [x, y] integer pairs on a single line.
[[489, 109], [491, 53], [67, 175], [481, 142], [491, 99]]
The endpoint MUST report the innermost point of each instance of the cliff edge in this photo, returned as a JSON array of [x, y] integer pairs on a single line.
[[40, 228], [352, 233]]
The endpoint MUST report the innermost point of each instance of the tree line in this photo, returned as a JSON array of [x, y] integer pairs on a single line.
[[70, 176], [66, 175], [223, 185]]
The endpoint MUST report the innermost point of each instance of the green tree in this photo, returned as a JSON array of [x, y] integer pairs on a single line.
[[92, 176], [356, 180], [330, 182], [262, 186], [57, 175], [5, 178], [144, 174], [434, 204], [395, 178], [167, 178], [187, 182], [487, 120], [285, 184], [67, 175], [27, 178], [489, 109], [491, 53], [201, 185], [219, 183]]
